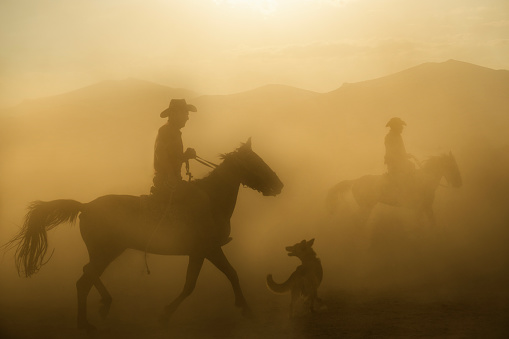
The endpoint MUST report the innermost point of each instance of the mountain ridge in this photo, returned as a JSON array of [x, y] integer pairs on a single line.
[[131, 88], [426, 71], [465, 96]]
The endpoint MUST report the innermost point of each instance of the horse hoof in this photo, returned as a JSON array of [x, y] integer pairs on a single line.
[[247, 313], [164, 320], [104, 309], [88, 327]]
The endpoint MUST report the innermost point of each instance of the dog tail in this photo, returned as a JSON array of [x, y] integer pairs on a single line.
[[278, 288]]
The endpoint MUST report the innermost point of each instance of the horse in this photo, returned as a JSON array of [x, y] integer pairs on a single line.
[[111, 224], [418, 194]]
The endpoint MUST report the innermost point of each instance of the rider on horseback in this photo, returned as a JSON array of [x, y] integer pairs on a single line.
[[396, 157], [169, 189], [400, 170], [169, 152]]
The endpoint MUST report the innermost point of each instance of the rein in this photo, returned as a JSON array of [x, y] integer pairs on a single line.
[[205, 162], [201, 161]]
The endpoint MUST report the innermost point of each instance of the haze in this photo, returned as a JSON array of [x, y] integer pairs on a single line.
[[221, 47], [313, 83]]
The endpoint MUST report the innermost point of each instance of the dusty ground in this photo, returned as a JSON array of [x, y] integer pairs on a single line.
[[393, 307], [348, 316]]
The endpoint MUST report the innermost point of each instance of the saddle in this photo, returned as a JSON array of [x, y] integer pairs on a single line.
[[153, 207], [189, 209], [399, 189]]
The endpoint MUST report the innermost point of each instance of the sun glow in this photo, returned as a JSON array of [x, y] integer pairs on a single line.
[[266, 7], [270, 7]]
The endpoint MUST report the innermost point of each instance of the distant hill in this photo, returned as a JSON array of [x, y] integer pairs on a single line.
[[101, 101], [449, 101], [94, 113], [111, 91]]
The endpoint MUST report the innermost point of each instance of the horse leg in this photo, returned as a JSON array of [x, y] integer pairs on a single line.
[[363, 215], [193, 270], [91, 276], [431, 216], [218, 259], [106, 298], [83, 286]]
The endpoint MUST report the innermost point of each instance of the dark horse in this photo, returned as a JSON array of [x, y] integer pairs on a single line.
[[113, 223], [418, 195]]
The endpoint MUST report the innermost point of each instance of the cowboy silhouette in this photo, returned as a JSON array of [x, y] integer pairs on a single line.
[[400, 168], [169, 152], [173, 197], [396, 157]]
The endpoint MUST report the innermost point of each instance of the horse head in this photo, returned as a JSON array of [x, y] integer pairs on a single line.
[[253, 172], [443, 166]]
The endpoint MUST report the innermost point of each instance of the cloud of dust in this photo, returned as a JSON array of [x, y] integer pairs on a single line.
[[312, 145]]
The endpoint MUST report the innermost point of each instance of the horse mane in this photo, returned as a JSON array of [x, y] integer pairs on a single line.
[[223, 157], [433, 159]]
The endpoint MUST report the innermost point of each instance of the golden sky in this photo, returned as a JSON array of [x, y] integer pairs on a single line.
[[225, 46]]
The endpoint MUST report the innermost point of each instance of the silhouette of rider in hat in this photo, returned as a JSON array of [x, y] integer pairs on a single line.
[[169, 152], [169, 188], [396, 157], [400, 169]]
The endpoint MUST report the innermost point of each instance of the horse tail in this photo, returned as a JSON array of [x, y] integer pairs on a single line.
[[279, 288], [334, 193], [32, 242]]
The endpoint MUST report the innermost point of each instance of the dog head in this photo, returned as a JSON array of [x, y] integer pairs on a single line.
[[301, 249]]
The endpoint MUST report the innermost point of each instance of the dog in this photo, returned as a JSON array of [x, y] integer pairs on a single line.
[[305, 280]]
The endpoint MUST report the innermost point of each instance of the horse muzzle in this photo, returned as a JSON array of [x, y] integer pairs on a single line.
[[275, 188]]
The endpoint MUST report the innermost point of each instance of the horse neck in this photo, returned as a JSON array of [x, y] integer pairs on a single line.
[[222, 187], [434, 168]]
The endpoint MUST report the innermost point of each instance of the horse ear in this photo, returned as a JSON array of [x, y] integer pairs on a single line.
[[311, 242], [248, 143]]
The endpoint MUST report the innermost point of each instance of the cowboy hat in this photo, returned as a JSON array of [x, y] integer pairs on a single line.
[[178, 106], [395, 122]]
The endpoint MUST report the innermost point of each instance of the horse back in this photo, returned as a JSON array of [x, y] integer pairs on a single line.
[[367, 189], [112, 204], [113, 219], [140, 222]]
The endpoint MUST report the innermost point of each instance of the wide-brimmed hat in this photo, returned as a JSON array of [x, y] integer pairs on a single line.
[[395, 122], [178, 106]]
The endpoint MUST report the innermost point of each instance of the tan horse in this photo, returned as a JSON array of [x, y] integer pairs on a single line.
[[113, 223], [419, 193]]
